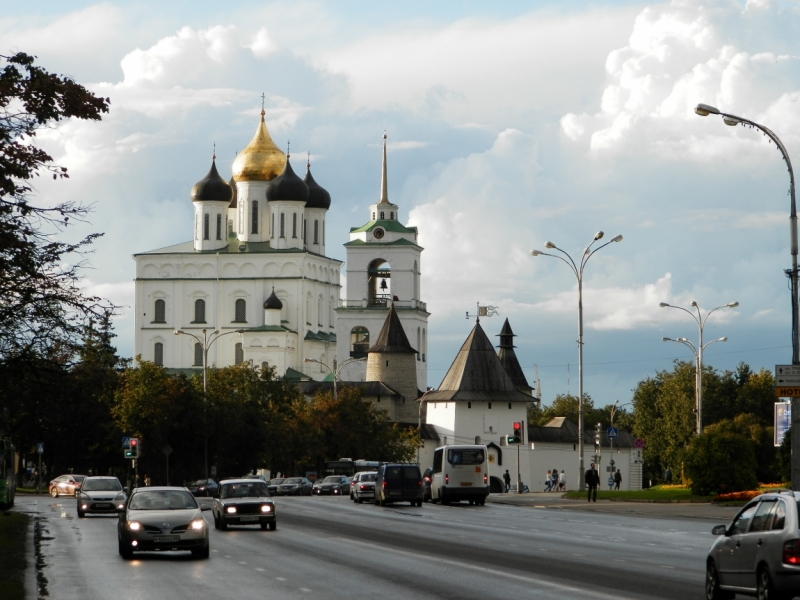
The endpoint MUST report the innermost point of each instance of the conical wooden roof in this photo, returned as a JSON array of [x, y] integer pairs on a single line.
[[508, 358], [392, 337]]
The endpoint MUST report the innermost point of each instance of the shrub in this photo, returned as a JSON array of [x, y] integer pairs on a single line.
[[721, 463]]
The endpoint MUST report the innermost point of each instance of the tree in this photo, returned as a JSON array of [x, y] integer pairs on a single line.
[[720, 462], [747, 425]]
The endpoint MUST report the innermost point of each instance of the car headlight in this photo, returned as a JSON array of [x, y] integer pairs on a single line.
[[198, 524], [119, 497], [134, 525], [230, 510], [266, 508]]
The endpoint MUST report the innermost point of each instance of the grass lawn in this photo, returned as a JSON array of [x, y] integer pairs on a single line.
[[13, 535], [653, 494]]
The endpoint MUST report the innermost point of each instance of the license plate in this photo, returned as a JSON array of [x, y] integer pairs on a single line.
[[466, 484], [101, 505], [394, 493], [248, 518], [166, 538]]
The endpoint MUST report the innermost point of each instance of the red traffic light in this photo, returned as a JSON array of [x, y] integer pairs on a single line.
[[134, 442], [517, 426]]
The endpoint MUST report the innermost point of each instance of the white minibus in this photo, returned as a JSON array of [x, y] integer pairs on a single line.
[[460, 473]]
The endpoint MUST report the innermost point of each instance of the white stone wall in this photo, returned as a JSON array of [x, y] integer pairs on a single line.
[[544, 456]]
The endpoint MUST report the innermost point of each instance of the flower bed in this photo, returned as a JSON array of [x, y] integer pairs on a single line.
[[737, 496]]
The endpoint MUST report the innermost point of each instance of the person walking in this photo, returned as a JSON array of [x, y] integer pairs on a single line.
[[617, 479], [562, 481], [146, 480], [591, 480], [507, 479], [548, 481]]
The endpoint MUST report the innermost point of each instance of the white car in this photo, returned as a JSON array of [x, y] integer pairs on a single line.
[[363, 486]]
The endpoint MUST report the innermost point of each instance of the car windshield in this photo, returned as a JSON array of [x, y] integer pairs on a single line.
[[101, 485], [79, 478], [294, 480], [368, 477], [199, 482], [245, 490], [162, 500], [465, 457], [332, 479]]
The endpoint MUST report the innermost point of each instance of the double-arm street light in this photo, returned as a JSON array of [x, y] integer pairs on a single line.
[[577, 269], [335, 370], [704, 110], [208, 339], [698, 351]]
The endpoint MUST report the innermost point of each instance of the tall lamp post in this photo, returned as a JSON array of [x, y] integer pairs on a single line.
[[698, 351], [335, 371], [208, 339], [577, 269]]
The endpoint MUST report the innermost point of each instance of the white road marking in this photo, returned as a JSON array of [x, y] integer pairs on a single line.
[[281, 578], [242, 563], [305, 590], [260, 569]]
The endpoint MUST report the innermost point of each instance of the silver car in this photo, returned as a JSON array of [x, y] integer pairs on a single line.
[[758, 554], [162, 518], [363, 486], [100, 495]]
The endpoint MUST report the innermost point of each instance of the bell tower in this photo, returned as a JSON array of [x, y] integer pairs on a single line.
[[383, 271]]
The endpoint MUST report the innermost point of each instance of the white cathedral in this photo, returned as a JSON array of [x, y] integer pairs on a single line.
[[256, 277]]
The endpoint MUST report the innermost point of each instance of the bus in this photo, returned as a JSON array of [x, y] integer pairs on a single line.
[[349, 467], [460, 473], [8, 474]]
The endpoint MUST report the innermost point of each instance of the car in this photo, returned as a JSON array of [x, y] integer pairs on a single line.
[[274, 483], [363, 487], [100, 495], [353, 482], [203, 487], [397, 482], [294, 486], [162, 518], [65, 485], [758, 554], [332, 485], [244, 502], [251, 476], [427, 479]]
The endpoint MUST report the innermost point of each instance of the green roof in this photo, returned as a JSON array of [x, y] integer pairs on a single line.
[[293, 375], [400, 242], [320, 336], [395, 226], [275, 328], [231, 248]]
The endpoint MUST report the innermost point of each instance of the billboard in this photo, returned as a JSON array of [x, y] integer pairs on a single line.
[[783, 420]]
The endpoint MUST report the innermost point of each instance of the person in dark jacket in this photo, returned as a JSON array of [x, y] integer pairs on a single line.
[[617, 479], [591, 480]]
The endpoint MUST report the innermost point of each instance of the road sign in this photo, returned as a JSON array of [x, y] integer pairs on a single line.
[[638, 443], [787, 392], [782, 421], [612, 432], [167, 450], [126, 443], [40, 448], [787, 370], [787, 380]]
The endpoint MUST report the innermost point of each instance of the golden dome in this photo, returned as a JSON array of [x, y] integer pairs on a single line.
[[261, 160]]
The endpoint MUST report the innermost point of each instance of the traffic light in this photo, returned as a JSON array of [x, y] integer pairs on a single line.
[[133, 451], [516, 437]]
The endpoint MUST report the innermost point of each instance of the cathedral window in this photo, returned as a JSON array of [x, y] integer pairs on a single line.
[[418, 345], [323, 232], [316, 231], [205, 226], [254, 228], [391, 215], [240, 315], [161, 312], [241, 217], [198, 355], [294, 225], [158, 354], [219, 227], [272, 231], [238, 354], [282, 225], [304, 228], [359, 342], [373, 216], [199, 311], [382, 215]]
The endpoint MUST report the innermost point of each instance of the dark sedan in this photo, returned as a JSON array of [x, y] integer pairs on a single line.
[[332, 485], [274, 483], [204, 487], [295, 486], [244, 502]]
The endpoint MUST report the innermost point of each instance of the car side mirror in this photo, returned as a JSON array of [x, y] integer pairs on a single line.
[[126, 490], [205, 507], [719, 530]]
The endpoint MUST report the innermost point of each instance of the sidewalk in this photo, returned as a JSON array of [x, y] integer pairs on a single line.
[[696, 510]]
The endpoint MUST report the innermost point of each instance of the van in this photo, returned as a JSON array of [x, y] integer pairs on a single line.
[[460, 473], [398, 483]]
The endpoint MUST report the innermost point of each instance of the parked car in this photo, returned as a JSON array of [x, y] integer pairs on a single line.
[[363, 486], [332, 485], [244, 502], [295, 486], [759, 552], [398, 483], [65, 485], [162, 518], [353, 482], [204, 487], [273, 485], [427, 479], [100, 495]]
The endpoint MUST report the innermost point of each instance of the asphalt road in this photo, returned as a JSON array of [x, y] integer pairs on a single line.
[[335, 548]]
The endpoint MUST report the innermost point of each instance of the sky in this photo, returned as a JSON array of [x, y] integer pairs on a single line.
[[509, 125]]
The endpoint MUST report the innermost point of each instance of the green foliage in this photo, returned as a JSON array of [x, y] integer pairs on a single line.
[[566, 405], [761, 437], [721, 462], [784, 457]]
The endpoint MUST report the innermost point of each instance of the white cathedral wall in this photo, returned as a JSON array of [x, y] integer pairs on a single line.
[[247, 193], [402, 260]]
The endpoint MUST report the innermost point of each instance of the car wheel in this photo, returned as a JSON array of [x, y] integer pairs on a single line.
[[273, 525], [381, 500], [712, 584], [54, 492], [124, 551], [223, 525], [264, 526], [360, 500], [216, 522], [81, 514], [445, 501], [203, 552], [764, 588]]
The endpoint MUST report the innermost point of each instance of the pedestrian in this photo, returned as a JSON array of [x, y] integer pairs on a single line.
[[617, 479], [562, 481], [507, 479], [591, 480], [668, 476], [548, 481], [146, 480], [554, 479]]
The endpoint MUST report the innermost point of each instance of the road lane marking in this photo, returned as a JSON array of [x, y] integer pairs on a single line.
[[305, 590], [281, 578], [260, 569], [242, 563]]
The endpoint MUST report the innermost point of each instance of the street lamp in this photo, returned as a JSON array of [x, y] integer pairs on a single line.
[[205, 343], [334, 372], [577, 269], [698, 351], [732, 120]]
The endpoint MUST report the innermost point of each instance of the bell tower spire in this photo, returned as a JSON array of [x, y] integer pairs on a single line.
[[384, 179]]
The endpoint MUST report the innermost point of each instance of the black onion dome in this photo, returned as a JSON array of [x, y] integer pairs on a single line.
[[318, 196], [273, 301], [212, 187], [287, 186], [234, 200]]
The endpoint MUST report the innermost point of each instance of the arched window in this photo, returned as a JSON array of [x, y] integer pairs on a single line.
[[323, 232], [359, 342], [254, 228], [240, 313], [419, 347], [373, 216], [282, 229], [382, 216], [238, 353], [161, 312], [304, 228], [205, 226], [316, 231], [424, 345], [158, 354], [198, 355], [199, 311], [272, 231], [294, 225], [219, 227], [391, 215], [319, 312], [379, 282]]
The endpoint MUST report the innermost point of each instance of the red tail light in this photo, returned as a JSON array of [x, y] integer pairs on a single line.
[[485, 478], [791, 552], [419, 484], [384, 484], [446, 478]]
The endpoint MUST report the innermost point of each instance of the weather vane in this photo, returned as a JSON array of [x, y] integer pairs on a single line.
[[484, 311]]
